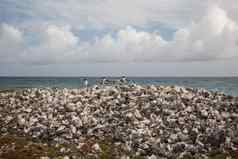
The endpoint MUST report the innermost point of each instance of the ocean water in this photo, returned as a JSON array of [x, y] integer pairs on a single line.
[[228, 85]]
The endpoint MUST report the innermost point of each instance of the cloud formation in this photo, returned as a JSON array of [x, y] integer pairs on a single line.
[[106, 13], [11, 41], [212, 36]]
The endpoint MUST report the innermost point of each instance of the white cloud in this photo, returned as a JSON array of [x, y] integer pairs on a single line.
[[58, 38], [110, 13], [213, 37], [129, 45], [11, 42], [55, 45]]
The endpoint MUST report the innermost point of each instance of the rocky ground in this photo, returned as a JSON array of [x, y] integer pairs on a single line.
[[127, 121]]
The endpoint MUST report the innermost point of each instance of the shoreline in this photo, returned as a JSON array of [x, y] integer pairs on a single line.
[[227, 85], [146, 121], [5, 90]]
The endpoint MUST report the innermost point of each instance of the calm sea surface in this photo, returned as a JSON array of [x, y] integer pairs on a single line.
[[228, 85]]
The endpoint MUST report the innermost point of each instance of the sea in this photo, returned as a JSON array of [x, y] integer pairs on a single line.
[[228, 85]]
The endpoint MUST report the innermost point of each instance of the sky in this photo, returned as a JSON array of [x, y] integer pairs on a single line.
[[118, 37]]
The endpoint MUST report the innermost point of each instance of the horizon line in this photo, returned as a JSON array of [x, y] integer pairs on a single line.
[[119, 76]]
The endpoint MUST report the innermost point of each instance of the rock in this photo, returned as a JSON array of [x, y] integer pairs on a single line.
[[216, 138], [179, 147]]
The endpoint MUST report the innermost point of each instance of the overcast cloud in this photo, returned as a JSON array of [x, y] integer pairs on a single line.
[[53, 32]]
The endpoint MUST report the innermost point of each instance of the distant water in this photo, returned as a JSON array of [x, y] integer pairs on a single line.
[[228, 85]]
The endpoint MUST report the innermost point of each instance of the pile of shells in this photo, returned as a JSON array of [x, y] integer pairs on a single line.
[[151, 121]]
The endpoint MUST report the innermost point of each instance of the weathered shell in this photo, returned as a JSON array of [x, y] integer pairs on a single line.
[[152, 121]]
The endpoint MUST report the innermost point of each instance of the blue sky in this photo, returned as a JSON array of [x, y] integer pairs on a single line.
[[108, 37]]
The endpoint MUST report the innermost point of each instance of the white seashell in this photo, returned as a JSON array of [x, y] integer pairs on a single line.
[[33, 120], [137, 114], [125, 157], [204, 113], [71, 106], [21, 120], [80, 145], [61, 128], [152, 157], [96, 147], [28, 110], [73, 129]]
